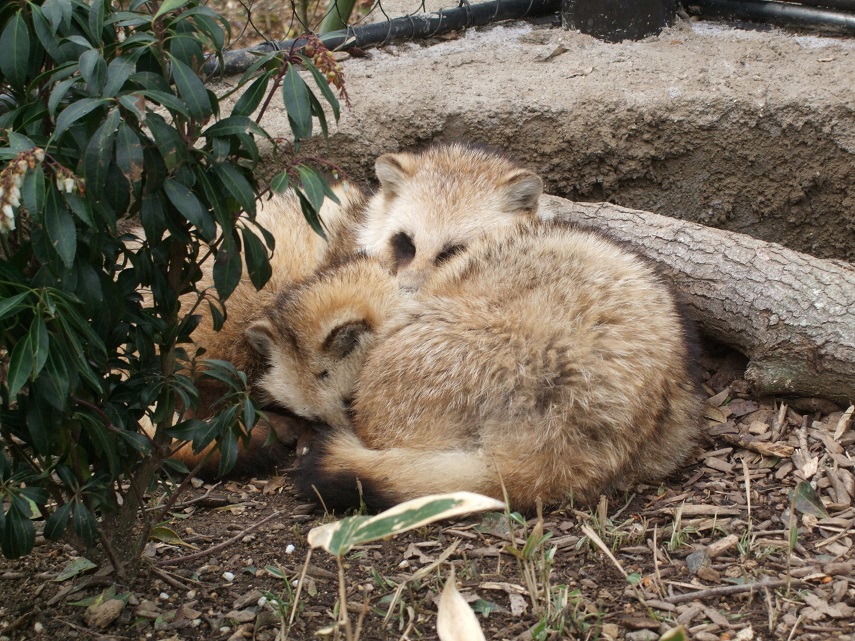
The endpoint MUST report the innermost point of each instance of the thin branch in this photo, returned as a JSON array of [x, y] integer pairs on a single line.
[[728, 589], [237, 537]]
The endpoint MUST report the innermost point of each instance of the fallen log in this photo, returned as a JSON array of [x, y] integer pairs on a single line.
[[791, 314]]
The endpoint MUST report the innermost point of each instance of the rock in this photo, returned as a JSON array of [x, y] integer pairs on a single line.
[[100, 615]]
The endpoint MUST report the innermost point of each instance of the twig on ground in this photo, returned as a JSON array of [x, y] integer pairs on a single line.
[[588, 531], [727, 589], [171, 580], [188, 503], [237, 537], [299, 589]]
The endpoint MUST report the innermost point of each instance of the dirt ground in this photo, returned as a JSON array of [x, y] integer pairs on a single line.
[[224, 564], [750, 130]]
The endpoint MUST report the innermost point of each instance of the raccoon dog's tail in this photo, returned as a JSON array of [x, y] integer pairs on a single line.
[[345, 473]]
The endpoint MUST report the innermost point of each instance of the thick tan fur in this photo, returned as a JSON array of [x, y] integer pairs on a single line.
[[315, 337], [434, 203], [543, 357], [298, 253]]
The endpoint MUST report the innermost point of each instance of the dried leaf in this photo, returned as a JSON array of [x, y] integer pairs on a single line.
[[807, 501], [74, 568], [455, 620], [553, 54], [166, 535]]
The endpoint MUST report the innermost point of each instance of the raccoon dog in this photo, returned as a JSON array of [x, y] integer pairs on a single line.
[[544, 359], [432, 204], [299, 251]]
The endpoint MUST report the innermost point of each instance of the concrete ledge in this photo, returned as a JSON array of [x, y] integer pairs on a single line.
[[751, 131]]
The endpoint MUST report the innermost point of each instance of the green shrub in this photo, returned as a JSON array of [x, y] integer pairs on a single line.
[[104, 117]]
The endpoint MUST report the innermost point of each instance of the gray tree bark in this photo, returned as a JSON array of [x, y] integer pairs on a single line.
[[791, 314]]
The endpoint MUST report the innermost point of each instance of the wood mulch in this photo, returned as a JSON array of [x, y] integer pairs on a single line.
[[718, 549]]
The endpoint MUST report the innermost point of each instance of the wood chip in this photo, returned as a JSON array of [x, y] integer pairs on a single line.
[[706, 510], [844, 423], [717, 548], [719, 464], [765, 448]]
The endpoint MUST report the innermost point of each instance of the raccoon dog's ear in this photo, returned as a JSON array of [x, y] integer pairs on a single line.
[[521, 189], [393, 170], [342, 340], [260, 336]]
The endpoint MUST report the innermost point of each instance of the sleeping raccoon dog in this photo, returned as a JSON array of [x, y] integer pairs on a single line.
[[543, 359], [432, 204]]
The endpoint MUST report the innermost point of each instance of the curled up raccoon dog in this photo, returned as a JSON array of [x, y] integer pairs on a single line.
[[434, 203], [543, 359]]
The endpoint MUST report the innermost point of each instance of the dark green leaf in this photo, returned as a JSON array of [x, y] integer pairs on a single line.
[[228, 450], [250, 413], [59, 226], [169, 5], [295, 94], [94, 71], [39, 342], [20, 366], [318, 111], [129, 153], [252, 97], [234, 125], [279, 182], [100, 437], [85, 525], [188, 49], [96, 20], [99, 154], [59, 92], [41, 418], [74, 112], [45, 32], [313, 185], [169, 143], [191, 89], [55, 379], [81, 207], [18, 535], [118, 73], [227, 268], [19, 142], [11, 305], [257, 259], [135, 103], [311, 215], [33, 191], [15, 48], [188, 205], [238, 186], [57, 522]]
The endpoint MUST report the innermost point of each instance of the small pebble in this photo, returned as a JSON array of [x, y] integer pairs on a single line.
[[289, 549], [225, 629], [262, 601], [191, 594], [229, 576], [38, 628], [163, 596]]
